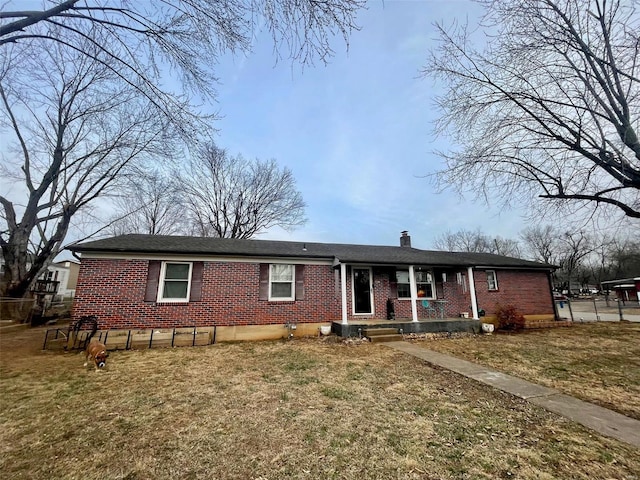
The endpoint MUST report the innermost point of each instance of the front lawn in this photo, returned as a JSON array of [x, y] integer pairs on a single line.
[[596, 362], [277, 410]]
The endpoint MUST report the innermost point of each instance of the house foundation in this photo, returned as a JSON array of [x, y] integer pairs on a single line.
[[355, 329]]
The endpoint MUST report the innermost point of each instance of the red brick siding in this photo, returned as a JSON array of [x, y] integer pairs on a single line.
[[457, 295], [528, 291], [113, 290]]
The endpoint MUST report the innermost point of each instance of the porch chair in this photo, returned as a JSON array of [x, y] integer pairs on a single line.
[[429, 308]]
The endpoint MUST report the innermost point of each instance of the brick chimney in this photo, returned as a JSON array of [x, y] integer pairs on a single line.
[[405, 239]]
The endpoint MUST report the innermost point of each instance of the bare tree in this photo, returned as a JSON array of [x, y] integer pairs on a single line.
[[150, 203], [506, 246], [446, 241], [572, 252], [463, 241], [77, 129], [622, 260], [596, 264], [541, 243], [574, 248], [549, 107], [231, 197], [139, 38], [477, 241], [80, 94]]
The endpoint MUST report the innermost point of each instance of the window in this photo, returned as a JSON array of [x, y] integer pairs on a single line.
[[461, 279], [492, 280], [424, 284], [404, 288], [281, 282], [175, 282]]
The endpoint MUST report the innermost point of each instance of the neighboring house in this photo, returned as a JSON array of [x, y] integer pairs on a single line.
[[68, 276], [64, 276], [626, 289], [252, 288], [60, 278], [56, 284], [74, 271]]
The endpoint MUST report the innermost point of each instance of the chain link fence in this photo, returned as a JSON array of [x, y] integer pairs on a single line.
[[15, 310], [598, 308]]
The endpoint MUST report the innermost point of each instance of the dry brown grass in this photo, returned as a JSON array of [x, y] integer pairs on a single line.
[[597, 362], [277, 410]]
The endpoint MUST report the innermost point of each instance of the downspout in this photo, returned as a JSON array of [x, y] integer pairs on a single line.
[[553, 300], [343, 291], [414, 294], [472, 291]]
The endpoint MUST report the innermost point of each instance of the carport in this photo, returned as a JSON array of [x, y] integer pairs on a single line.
[[626, 289]]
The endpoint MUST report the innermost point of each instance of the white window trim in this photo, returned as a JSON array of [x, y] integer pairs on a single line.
[[403, 283], [433, 286], [293, 284], [163, 271], [495, 281]]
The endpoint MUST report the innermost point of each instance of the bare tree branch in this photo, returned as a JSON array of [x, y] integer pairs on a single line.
[[477, 241], [80, 93], [151, 203], [230, 197], [191, 34], [549, 109], [95, 128]]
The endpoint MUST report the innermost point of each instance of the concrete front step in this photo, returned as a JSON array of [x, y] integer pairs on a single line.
[[367, 332], [382, 334], [394, 337], [356, 329]]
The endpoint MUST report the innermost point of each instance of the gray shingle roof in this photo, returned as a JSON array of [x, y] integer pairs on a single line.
[[344, 253]]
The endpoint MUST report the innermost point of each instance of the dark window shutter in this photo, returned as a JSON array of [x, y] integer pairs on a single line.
[[153, 278], [264, 281], [196, 282], [299, 282], [393, 284]]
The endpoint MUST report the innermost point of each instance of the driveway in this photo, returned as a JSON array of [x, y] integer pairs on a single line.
[[584, 310]]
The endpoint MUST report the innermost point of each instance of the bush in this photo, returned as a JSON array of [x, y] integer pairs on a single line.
[[509, 318]]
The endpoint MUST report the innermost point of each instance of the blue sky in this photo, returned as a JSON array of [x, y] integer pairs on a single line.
[[357, 132]]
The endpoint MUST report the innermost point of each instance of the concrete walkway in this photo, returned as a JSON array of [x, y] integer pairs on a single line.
[[602, 420]]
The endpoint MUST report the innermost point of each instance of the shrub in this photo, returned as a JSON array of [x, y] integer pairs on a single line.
[[509, 318]]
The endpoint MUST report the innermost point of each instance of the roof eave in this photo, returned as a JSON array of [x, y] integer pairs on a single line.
[[516, 267]]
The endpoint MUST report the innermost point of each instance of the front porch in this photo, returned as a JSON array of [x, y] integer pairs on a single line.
[[432, 325]]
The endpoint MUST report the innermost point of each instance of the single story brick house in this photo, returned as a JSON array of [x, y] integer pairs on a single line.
[[251, 289]]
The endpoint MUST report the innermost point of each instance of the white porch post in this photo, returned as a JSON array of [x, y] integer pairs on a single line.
[[472, 291], [414, 294], [343, 291]]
